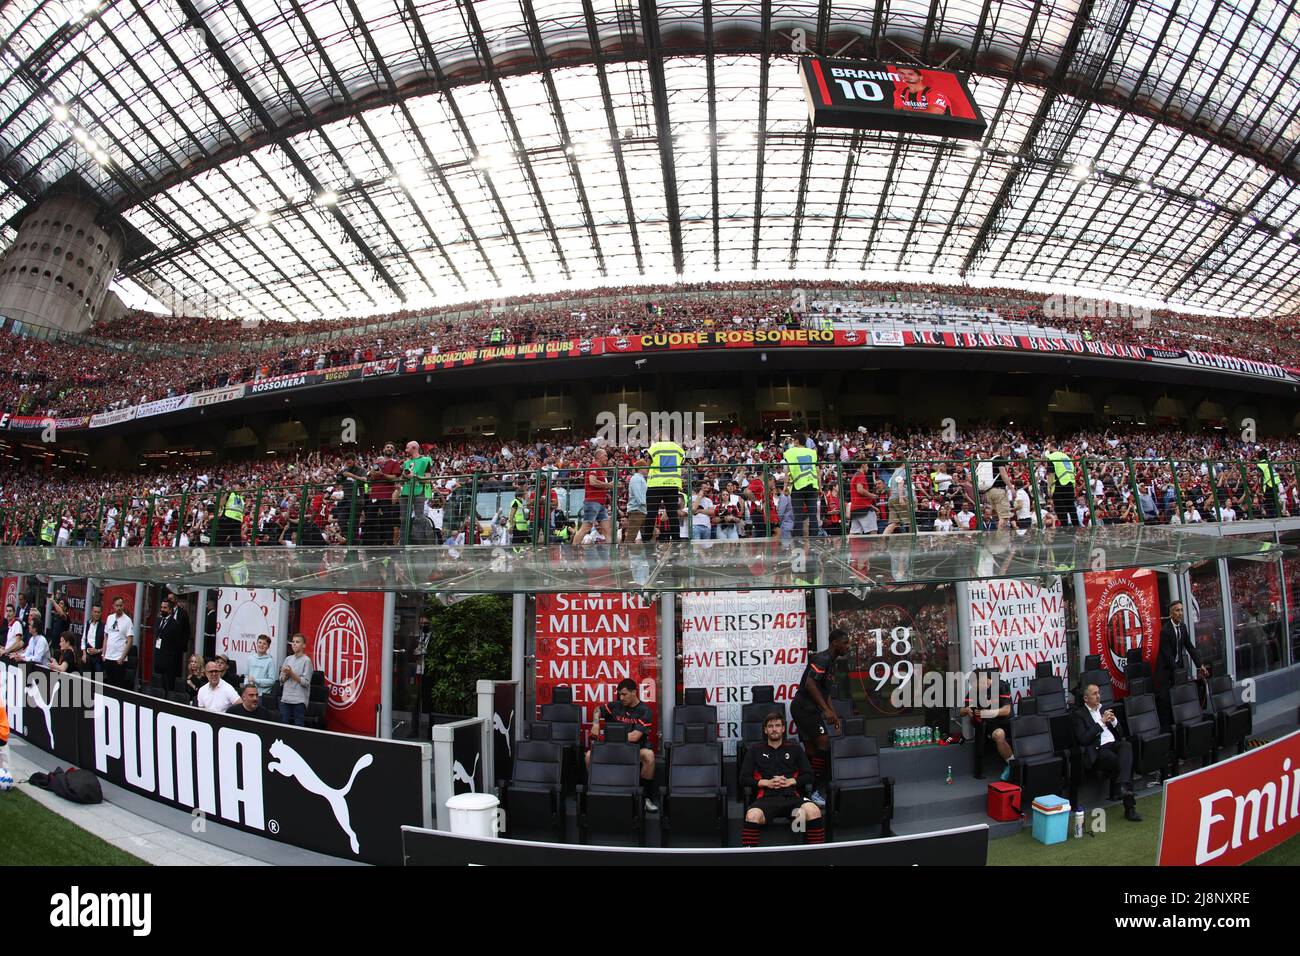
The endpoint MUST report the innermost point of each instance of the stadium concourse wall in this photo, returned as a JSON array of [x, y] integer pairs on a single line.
[[770, 349]]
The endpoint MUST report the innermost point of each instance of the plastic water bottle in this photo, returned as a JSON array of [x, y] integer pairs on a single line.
[[949, 779], [1078, 823]]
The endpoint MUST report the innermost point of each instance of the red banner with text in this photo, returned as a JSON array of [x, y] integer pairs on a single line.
[[591, 642], [345, 640], [1123, 614], [1230, 812]]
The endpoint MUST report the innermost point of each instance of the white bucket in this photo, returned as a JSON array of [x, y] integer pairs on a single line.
[[473, 814]]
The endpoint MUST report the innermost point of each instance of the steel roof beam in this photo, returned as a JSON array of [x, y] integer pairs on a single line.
[[659, 97]]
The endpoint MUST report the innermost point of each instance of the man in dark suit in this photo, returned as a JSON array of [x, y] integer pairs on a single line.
[[1174, 639], [169, 642], [1098, 734]]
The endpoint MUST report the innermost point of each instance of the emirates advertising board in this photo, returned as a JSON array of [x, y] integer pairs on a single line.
[[1230, 812]]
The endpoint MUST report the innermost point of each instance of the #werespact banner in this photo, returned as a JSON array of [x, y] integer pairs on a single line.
[[1013, 626], [591, 641], [735, 640]]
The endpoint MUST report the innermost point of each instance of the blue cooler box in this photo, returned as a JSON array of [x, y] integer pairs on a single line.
[[1051, 819]]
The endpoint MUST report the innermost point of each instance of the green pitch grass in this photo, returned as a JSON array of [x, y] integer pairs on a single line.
[[1123, 844], [31, 835]]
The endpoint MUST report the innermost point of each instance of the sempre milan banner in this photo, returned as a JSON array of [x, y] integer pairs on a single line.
[[332, 793], [243, 614], [1014, 625], [590, 642], [735, 640], [345, 639], [1230, 812], [1123, 613]]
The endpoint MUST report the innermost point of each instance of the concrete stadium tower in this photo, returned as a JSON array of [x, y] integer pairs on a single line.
[[57, 271]]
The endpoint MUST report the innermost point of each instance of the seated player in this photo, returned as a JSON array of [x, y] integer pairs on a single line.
[[775, 766], [811, 710], [629, 710], [991, 723]]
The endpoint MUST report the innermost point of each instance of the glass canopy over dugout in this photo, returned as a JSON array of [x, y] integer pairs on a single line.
[[679, 565]]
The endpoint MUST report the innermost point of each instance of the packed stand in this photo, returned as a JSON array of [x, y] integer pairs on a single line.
[[734, 485]]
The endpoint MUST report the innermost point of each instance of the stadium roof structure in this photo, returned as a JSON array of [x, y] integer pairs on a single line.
[[296, 158], [752, 564]]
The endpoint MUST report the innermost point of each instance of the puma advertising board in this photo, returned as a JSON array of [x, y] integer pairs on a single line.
[[337, 794]]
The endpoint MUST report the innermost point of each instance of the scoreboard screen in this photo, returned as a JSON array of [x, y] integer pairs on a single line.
[[863, 94]]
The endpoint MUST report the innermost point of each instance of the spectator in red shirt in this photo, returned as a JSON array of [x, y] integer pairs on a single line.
[[595, 499], [382, 511]]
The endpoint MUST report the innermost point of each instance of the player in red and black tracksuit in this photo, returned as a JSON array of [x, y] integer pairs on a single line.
[[776, 767], [990, 723], [811, 710], [628, 709]]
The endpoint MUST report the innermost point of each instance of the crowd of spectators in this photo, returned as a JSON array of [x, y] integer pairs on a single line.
[[333, 496], [67, 379]]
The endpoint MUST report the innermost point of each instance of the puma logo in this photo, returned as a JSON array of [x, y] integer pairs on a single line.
[[33, 694], [458, 773], [503, 729], [290, 763]]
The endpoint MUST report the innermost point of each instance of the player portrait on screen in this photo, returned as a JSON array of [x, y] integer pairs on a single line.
[[916, 94]]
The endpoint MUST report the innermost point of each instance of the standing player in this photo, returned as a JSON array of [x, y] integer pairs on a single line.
[[775, 766], [915, 96], [811, 710]]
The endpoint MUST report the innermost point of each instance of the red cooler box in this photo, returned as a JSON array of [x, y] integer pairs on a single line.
[[1004, 801]]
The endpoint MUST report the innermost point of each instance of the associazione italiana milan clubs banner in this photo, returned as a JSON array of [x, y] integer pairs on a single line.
[[1014, 625], [345, 639], [1230, 812], [243, 614], [333, 793], [735, 640], [590, 642], [1123, 614]]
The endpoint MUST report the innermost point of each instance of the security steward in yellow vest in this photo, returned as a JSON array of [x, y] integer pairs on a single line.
[[48, 532], [1063, 493], [230, 519], [520, 525], [1269, 485], [664, 481], [805, 486]]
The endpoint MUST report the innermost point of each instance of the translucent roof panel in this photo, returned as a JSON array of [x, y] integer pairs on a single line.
[[329, 157], [674, 566]]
